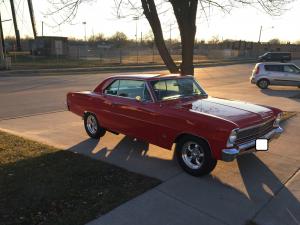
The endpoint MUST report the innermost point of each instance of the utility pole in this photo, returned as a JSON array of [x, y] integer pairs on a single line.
[[2, 35], [42, 28], [170, 49], [13, 12], [31, 12], [260, 34], [2, 47], [136, 18], [261, 30], [170, 33], [2, 57], [84, 23]]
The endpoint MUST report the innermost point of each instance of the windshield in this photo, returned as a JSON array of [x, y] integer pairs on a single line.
[[176, 88]]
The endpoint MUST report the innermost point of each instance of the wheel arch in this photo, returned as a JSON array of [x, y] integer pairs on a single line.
[[182, 135], [89, 112], [263, 78]]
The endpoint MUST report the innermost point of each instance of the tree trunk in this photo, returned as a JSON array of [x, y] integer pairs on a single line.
[[151, 14], [185, 13]]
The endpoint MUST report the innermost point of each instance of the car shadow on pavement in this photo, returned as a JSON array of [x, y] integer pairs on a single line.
[[261, 185], [126, 146], [286, 93], [85, 147], [242, 190], [133, 155]]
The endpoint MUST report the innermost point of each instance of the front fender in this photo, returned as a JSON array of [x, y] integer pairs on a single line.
[[215, 131]]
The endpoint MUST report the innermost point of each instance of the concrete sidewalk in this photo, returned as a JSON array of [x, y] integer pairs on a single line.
[[263, 187]]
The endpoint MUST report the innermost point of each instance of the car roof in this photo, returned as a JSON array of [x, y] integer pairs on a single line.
[[274, 63], [278, 52], [146, 76]]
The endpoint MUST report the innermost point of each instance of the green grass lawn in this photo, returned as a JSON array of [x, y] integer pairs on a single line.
[[40, 184]]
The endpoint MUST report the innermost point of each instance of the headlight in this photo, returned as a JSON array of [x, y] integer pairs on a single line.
[[277, 120], [232, 138]]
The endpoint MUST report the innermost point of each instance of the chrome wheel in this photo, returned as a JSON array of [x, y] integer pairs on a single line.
[[192, 155], [91, 124]]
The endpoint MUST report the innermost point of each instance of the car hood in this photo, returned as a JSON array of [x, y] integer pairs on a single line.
[[241, 113]]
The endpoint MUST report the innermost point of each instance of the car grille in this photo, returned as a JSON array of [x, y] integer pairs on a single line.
[[255, 132]]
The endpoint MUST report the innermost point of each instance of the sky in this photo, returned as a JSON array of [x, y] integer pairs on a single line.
[[241, 24]]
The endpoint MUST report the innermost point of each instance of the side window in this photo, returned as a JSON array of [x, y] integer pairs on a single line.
[[166, 88], [112, 89], [274, 68], [172, 86], [288, 69], [291, 69], [131, 88], [160, 89], [296, 69], [268, 68]]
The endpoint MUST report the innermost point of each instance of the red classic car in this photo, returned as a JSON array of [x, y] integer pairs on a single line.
[[164, 110]]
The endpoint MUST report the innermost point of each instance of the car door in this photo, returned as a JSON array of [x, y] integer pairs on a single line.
[[274, 73], [134, 109], [108, 116], [292, 75]]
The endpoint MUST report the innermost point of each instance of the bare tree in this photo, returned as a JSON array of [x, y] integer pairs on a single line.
[[97, 38], [214, 40], [274, 41], [119, 39], [185, 12]]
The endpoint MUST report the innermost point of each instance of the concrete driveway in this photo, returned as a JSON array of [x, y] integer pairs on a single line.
[[264, 187]]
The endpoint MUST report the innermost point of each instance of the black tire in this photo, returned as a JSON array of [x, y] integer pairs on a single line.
[[208, 163], [93, 130], [263, 83]]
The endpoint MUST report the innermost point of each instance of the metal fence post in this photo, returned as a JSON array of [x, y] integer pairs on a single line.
[[120, 55], [153, 52]]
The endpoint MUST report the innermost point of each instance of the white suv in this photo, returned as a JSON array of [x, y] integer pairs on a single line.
[[284, 74]]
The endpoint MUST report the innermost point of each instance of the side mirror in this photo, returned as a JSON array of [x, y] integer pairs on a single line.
[[138, 98]]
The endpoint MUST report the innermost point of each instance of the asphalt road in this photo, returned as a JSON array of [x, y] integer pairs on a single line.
[[29, 95]]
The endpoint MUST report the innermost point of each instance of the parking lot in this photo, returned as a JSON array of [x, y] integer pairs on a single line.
[[266, 185]]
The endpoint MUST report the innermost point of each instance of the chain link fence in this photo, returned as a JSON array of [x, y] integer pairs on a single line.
[[94, 55]]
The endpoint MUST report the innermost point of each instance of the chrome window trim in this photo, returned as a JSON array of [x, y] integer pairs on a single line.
[[150, 92], [110, 85]]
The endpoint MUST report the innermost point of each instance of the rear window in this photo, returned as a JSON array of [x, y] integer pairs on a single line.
[[274, 68]]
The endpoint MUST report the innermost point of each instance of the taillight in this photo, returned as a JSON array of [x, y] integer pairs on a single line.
[[256, 70]]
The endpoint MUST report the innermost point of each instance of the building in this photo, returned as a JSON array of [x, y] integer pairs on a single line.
[[49, 46]]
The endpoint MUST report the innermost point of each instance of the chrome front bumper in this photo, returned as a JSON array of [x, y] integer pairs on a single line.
[[229, 155]]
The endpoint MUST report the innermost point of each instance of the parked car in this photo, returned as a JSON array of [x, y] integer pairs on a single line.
[[164, 110], [275, 57], [285, 74]]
